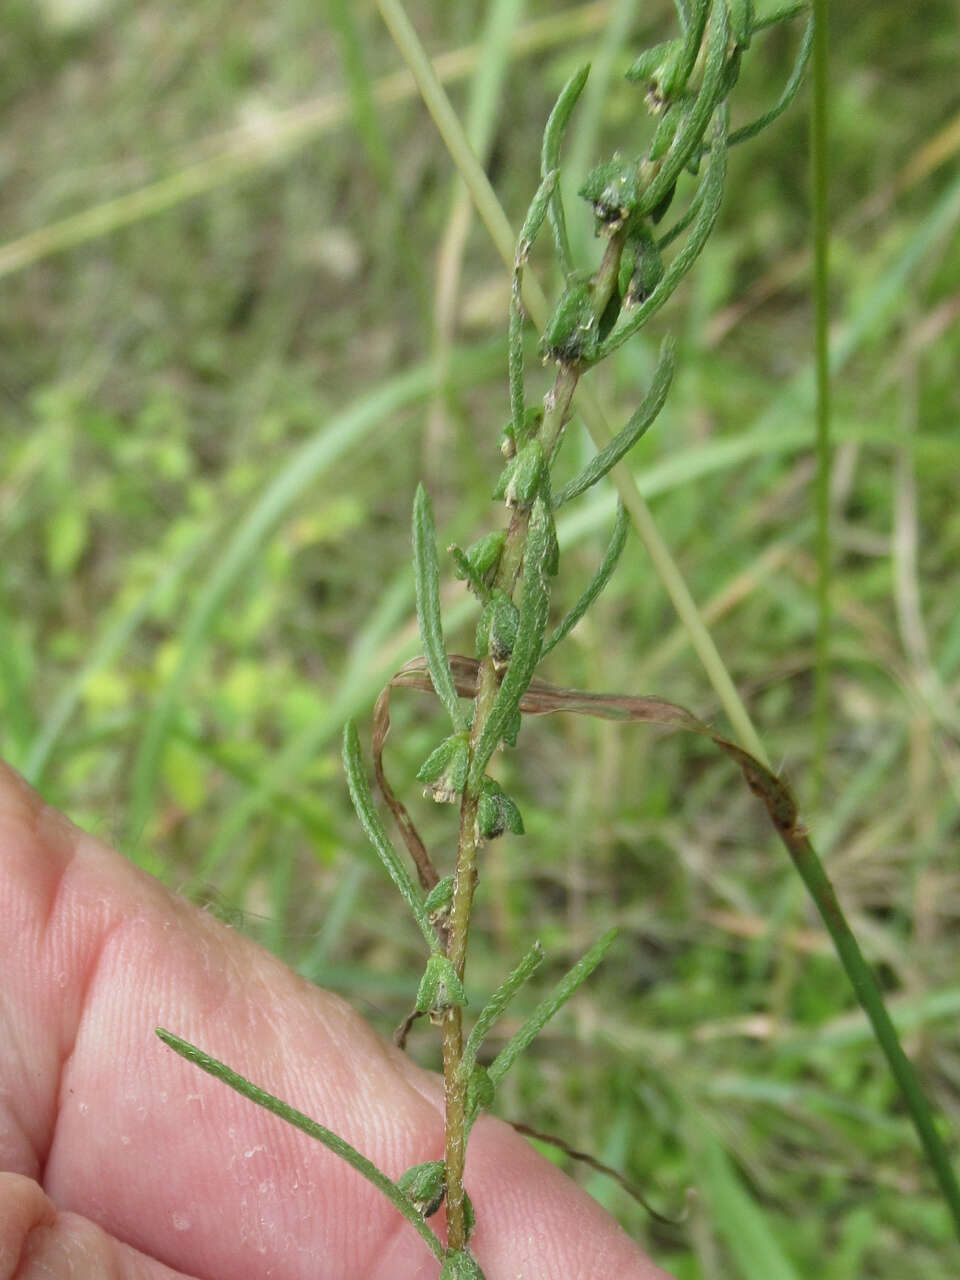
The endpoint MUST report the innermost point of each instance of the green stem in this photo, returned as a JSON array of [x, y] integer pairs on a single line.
[[458, 926], [535, 301], [819, 177], [868, 993]]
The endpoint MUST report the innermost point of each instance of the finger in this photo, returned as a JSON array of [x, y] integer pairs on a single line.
[[120, 1130], [38, 1243]]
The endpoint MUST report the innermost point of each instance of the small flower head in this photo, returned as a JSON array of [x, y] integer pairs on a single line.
[[613, 190], [445, 769]]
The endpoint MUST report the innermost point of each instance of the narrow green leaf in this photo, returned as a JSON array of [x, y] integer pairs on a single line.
[[689, 136], [791, 88], [534, 606], [376, 834], [625, 439], [617, 542], [742, 20], [689, 215], [427, 579], [528, 233], [332, 1141], [693, 35], [536, 213], [515, 358], [496, 1005], [546, 1009], [776, 16], [550, 160]]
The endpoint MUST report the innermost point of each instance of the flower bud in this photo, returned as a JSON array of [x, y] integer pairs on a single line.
[[440, 988], [523, 476], [571, 333], [445, 769], [460, 1266], [612, 189], [426, 1185], [496, 812]]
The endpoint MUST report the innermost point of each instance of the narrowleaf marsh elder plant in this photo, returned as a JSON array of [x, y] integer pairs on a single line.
[[651, 240]]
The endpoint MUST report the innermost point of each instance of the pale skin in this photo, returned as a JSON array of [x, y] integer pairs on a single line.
[[120, 1161]]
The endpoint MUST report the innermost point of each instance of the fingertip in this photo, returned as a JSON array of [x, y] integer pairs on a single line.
[[38, 1241], [23, 1208]]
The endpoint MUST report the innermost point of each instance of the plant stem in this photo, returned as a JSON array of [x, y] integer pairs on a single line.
[[821, 230], [458, 925], [504, 238], [557, 407], [868, 993]]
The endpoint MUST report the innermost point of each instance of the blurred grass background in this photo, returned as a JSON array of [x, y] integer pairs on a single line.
[[228, 234]]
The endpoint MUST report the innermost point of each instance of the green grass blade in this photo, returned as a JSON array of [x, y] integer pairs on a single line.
[[332, 1141], [864, 983], [819, 183], [738, 1218], [426, 572], [344, 19], [103, 651], [376, 834], [486, 90], [316, 455]]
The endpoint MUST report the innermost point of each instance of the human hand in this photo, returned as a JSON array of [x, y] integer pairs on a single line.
[[120, 1159]]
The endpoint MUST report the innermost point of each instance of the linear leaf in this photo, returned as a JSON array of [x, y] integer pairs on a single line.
[[791, 88], [332, 1141], [690, 133], [427, 579], [601, 578], [533, 607], [546, 1009], [497, 1003], [550, 160], [528, 233], [376, 834], [625, 439]]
